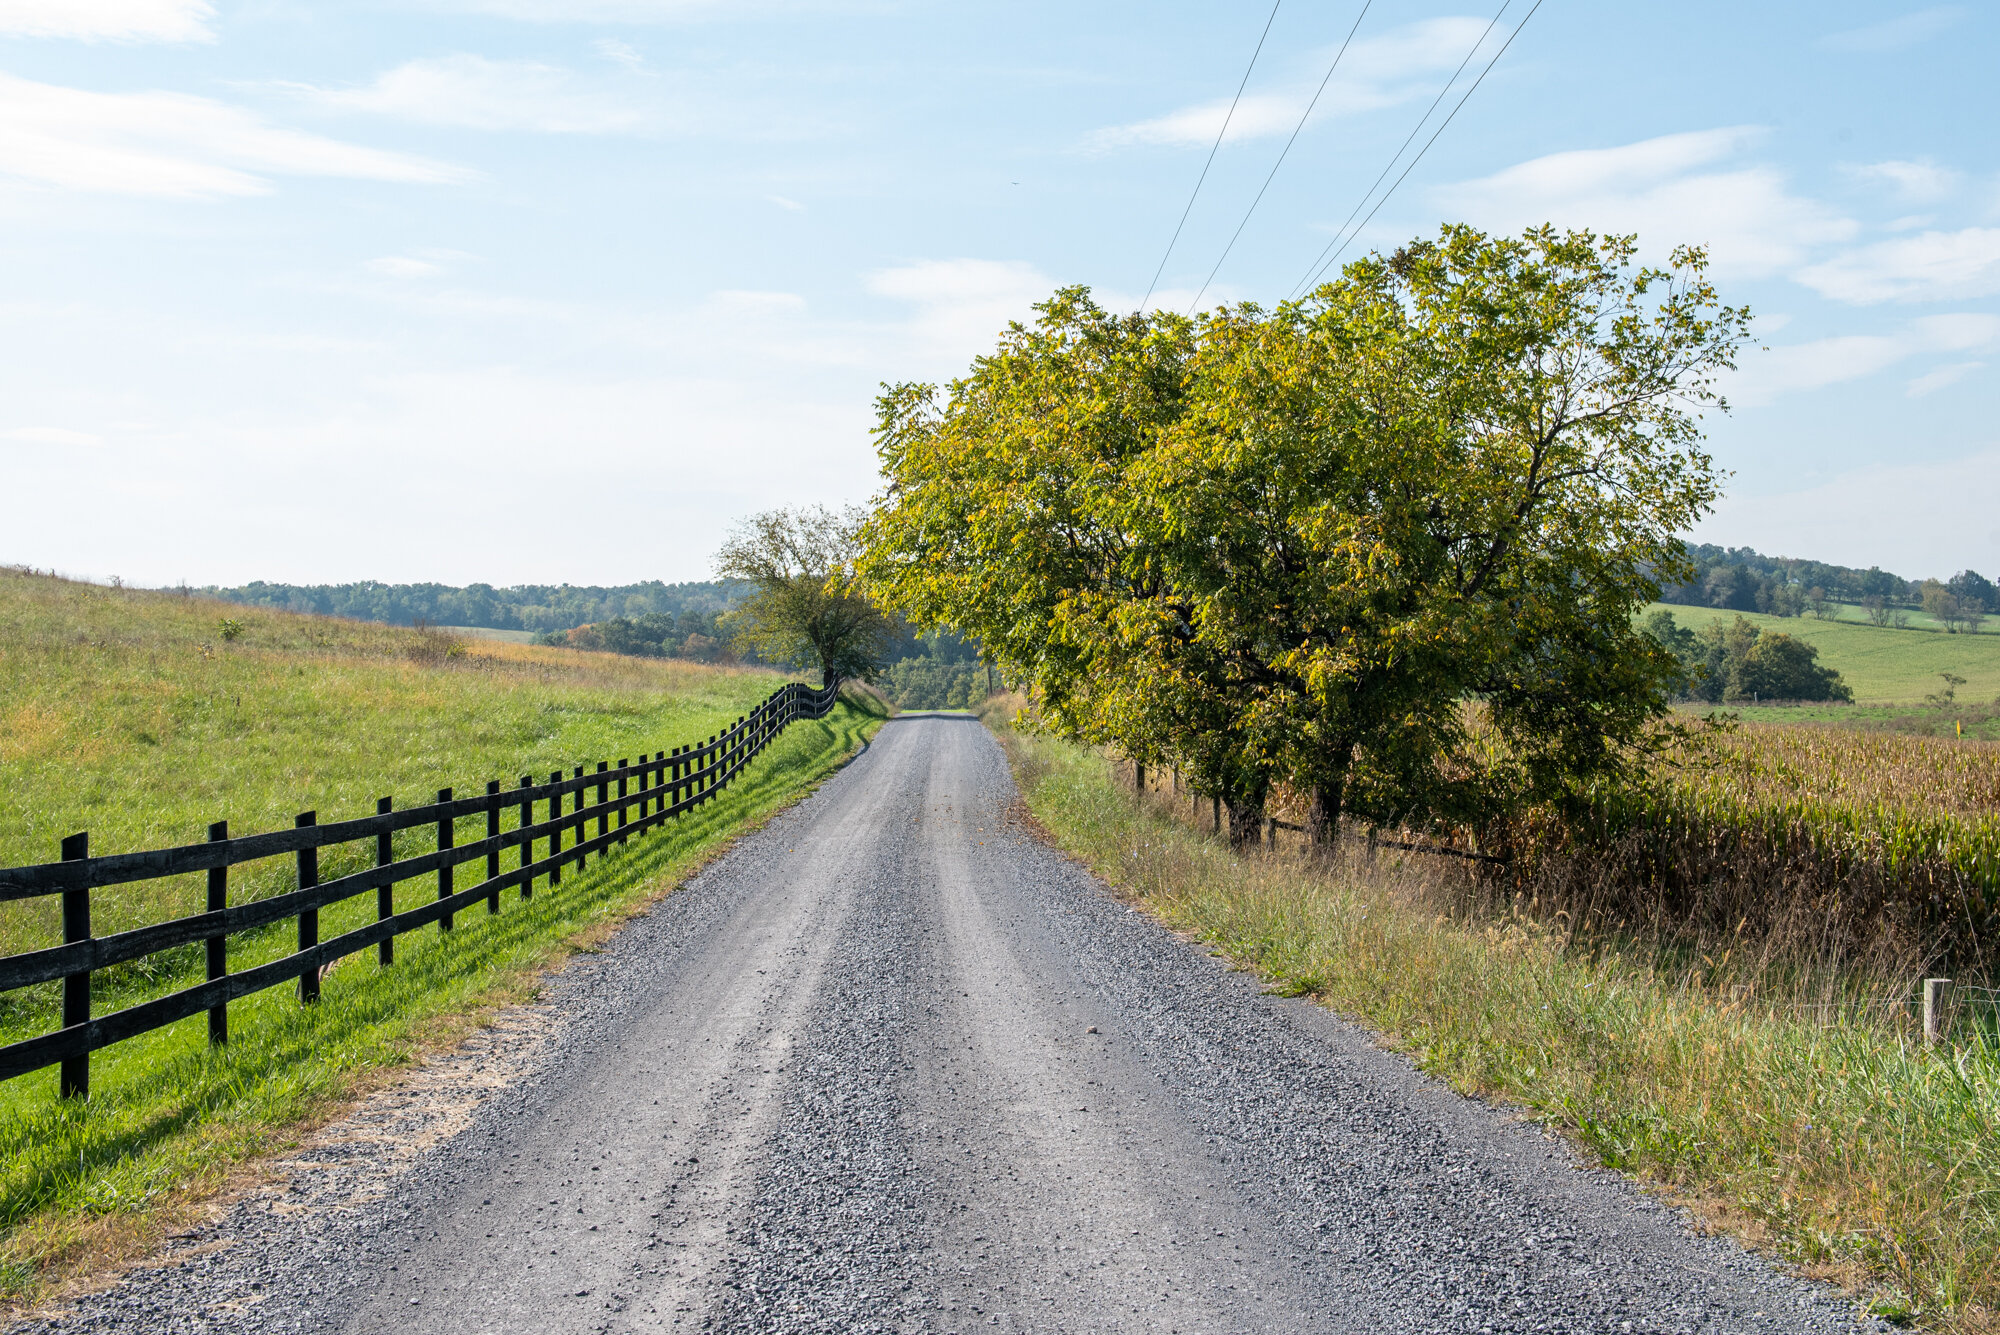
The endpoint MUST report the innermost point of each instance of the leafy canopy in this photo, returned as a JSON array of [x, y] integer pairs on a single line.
[[806, 607], [1295, 544]]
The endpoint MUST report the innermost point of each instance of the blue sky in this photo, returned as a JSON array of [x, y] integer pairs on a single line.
[[553, 289]]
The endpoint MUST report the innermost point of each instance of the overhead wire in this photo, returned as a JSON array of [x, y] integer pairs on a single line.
[[1397, 156], [1211, 155], [1313, 274], [1281, 156]]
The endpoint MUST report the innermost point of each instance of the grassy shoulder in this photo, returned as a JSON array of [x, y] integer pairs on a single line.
[[142, 725], [1883, 664], [1831, 1141]]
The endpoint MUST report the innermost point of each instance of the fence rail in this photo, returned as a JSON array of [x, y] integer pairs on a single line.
[[662, 788]]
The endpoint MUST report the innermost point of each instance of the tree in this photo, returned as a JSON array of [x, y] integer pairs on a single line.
[[1944, 607], [806, 607], [1974, 591], [1777, 667], [1295, 544]]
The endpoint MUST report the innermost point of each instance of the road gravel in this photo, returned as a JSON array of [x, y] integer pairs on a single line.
[[894, 1064]]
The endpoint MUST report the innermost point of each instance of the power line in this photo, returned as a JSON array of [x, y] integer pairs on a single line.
[[1427, 143], [1397, 156], [1211, 155], [1281, 156]]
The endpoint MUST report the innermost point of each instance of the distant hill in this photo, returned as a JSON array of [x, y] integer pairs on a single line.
[[537, 608], [1740, 579]]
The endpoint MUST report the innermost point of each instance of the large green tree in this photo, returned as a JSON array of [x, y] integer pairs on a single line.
[[806, 607], [1301, 543]]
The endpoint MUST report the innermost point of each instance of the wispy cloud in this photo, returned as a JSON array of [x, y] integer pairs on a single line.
[[1930, 266], [173, 144], [109, 20], [476, 93], [1375, 73], [1949, 374], [788, 204], [1898, 33], [59, 436], [1676, 189], [1765, 376], [1910, 182]]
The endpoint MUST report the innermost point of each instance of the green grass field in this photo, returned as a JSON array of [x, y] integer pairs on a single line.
[[129, 714], [1883, 665]]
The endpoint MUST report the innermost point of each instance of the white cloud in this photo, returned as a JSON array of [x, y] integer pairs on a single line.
[[962, 305], [622, 53], [1897, 33], [1375, 73], [109, 20], [1765, 376], [481, 94], [172, 144], [1916, 519], [1931, 266], [791, 205], [51, 435], [1676, 189], [1911, 182], [1949, 374]]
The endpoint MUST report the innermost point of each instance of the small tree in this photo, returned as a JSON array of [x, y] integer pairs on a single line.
[[807, 608]]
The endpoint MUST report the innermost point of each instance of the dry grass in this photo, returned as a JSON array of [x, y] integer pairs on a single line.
[[1826, 1135]]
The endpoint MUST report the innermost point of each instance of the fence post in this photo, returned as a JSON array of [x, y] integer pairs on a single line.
[[555, 835], [308, 918], [75, 1079], [527, 844], [385, 895], [1934, 998], [493, 848], [674, 777], [582, 821], [623, 762], [218, 945], [603, 797], [447, 833]]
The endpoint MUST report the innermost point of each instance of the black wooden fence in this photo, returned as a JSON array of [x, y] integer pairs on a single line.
[[671, 783]]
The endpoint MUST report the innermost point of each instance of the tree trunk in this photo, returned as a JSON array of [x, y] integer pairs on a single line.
[[1246, 825], [1328, 797], [1139, 777]]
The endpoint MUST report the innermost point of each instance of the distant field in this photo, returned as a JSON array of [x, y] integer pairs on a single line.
[[1882, 664], [128, 714]]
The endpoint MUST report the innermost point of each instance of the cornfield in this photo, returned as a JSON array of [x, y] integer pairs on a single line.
[[1838, 845]]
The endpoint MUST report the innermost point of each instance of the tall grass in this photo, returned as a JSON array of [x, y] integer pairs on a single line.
[[1830, 1137]]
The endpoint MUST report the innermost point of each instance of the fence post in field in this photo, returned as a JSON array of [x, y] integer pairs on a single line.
[[218, 945], [308, 918], [659, 781], [385, 895], [527, 844], [582, 822], [75, 1079], [555, 835], [623, 762], [603, 796], [447, 833], [1934, 997], [493, 848]]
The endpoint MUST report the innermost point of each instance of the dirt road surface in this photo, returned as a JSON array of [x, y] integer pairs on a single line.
[[893, 1064]]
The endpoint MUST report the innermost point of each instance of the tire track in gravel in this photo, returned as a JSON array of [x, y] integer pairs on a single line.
[[894, 1065]]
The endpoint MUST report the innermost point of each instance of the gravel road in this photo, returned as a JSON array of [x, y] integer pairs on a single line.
[[893, 1064]]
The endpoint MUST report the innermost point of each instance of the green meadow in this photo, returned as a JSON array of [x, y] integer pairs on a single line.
[[141, 717], [1883, 664]]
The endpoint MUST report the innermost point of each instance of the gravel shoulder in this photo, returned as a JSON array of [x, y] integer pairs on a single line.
[[893, 1064]]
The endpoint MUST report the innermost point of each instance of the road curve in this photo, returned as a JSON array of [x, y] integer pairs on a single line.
[[893, 1064]]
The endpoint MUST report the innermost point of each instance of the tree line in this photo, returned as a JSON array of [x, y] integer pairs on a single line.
[[1385, 544], [530, 607], [1739, 579]]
